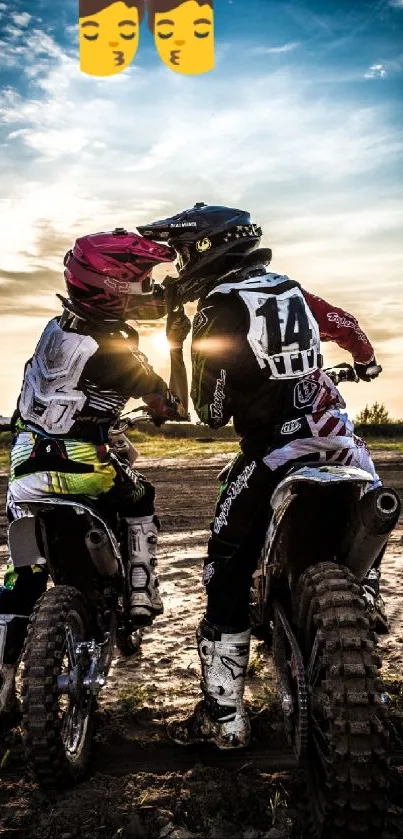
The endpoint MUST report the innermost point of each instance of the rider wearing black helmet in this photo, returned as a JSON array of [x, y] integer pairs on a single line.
[[256, 358]]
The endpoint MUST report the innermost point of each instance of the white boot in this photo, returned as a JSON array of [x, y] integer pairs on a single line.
[[220, 717], [375, 601], [145, 600], [8, 697]]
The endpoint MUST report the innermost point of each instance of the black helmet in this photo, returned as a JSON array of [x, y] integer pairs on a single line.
[[209, 241]]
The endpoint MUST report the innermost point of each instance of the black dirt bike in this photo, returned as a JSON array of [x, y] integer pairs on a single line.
[[328, 527], [75, 624]]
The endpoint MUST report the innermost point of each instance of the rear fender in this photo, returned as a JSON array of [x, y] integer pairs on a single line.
[[22, 536], [308, 526], [319, 475]]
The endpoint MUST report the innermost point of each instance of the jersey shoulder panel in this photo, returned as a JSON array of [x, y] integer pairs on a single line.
[[264, 281], [50, 396]]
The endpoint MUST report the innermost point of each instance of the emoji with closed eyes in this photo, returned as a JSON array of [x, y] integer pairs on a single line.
[[183, 33], [109, 35]]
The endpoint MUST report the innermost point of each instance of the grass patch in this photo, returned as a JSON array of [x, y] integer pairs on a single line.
[[133, 699], [4, 459], [394, 688], [255, 666], [383, 444], [278, 800], [177, 447], [164, 447], [149, 446]]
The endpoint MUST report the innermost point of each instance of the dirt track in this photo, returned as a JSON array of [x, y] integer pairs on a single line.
[[141, 786]]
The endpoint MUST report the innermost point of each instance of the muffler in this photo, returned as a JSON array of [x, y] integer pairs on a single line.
[[377, 514], [101, 552]]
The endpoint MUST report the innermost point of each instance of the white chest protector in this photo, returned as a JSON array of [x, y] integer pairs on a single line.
[[49, 396], [283, 333]]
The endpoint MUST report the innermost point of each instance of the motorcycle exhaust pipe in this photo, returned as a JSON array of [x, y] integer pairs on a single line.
[[101, 552], [377, 515]]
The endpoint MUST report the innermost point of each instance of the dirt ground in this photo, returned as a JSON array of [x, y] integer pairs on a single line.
[[143, 787]]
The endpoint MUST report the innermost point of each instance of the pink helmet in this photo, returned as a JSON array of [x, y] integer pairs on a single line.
[[106, 273]]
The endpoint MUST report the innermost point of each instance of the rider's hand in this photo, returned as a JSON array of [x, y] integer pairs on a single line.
[[367, 372], [163, 408], [178, 328]]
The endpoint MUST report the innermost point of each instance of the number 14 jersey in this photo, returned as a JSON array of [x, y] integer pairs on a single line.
[[256, 352]]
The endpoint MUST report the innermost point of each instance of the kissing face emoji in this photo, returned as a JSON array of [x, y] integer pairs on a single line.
[[109, 35], [184, 34]]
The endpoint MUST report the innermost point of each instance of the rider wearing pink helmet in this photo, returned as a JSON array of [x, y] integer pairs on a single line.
[[108, 275], [85, 367]]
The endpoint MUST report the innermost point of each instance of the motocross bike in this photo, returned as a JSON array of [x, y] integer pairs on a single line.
[[328, 526], [75, 624]]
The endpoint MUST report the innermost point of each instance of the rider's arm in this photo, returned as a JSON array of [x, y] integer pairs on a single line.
[[337, 325], [213, 353], [135, 377], [178, 382], [177, 328]]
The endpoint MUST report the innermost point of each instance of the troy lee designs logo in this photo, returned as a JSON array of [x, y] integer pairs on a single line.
[[217, 406], [340, 321], [291, 427], [115, 285], [334, 317], [233, 491], [305, 392]]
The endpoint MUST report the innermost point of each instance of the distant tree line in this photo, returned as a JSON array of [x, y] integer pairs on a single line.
[[376, 414]]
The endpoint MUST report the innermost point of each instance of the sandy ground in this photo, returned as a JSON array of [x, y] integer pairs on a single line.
[[141, 786]]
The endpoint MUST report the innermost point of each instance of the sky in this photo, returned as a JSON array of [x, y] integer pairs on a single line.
[[300, 123]]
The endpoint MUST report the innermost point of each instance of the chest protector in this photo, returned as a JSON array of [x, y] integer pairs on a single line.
[[50, 396], [283, 333]]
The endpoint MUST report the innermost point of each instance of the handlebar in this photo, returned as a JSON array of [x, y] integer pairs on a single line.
[[128, 421], [341, 373], [346, 373]]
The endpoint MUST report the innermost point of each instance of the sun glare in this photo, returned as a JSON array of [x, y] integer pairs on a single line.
[[160, 343]]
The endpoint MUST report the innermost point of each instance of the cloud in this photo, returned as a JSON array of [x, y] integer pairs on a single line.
[[376, 71], [396, 4], [83, 154], [288, 47], [29, 291], [22, 18]]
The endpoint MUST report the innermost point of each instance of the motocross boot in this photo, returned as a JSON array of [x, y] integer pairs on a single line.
[[143, 585], [8, 696], [220, 717], [375, 602]]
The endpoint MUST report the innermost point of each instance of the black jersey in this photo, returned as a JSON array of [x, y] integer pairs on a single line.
[[256, 354], [80, 377]]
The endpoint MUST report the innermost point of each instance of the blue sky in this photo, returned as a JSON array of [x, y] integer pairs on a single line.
[[300, 122]]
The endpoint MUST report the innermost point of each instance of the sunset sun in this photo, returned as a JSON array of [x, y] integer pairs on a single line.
[[160, 343]]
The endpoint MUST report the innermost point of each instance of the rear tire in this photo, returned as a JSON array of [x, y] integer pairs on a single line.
[[57, 728], [346, 764]]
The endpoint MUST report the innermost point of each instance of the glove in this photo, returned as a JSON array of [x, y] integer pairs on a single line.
[[177, 328], [367, 372], [163, 408], [150, 306]]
